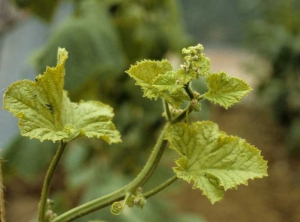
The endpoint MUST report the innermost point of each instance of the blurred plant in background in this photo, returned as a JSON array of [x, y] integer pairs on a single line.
[[275, 34], [103, 38]]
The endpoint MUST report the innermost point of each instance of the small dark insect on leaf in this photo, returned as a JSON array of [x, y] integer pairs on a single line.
[[50, 107]]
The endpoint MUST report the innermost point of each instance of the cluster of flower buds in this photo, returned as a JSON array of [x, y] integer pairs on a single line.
[[50, 215], [137, 199], [175, 111], [192, 54], [196, 106]]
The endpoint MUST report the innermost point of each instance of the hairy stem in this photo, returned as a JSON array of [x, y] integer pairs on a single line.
[[47, 181], [189, 91], [160, 187], [121, 193], [2, 206], [167, 110], [182, 115]]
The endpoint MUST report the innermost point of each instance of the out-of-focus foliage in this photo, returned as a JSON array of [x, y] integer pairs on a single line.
[[102, 38], [2, 207], [43, 9], [275, 34]]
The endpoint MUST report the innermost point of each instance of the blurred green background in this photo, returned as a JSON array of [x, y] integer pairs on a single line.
[[255, 40]]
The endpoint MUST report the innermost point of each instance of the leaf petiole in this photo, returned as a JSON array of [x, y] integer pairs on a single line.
[[160, 187], [189, 90], [120, 194], [47, 181], [167, 110]]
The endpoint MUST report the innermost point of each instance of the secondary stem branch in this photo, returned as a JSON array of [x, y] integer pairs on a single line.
[[120, 194], [160, 187], [47, 181], [189, 91]]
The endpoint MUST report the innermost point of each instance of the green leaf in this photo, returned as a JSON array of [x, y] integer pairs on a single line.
[[158, 80], [214, 161], [225, 90], [46, 113]]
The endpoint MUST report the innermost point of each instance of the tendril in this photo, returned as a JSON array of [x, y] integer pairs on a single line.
[[117, 208]]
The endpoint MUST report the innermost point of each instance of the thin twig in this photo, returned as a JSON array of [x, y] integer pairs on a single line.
[[160, 187]]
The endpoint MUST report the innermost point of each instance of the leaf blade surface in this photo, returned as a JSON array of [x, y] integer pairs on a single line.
[[225, 90], [46, 113], [214, 161]]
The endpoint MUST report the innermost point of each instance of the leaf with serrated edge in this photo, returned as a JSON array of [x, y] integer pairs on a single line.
[[225, 90], [146, 71], [158, 80], [46, 113], [214, 161]]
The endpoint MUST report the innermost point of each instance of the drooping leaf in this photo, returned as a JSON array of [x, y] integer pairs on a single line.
[[158, 80], [46, 113], [225, 90], [214, 161]]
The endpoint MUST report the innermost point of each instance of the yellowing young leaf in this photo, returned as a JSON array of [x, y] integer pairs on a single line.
[[214, 161], [46, 113], [225, 90], [158, 80]]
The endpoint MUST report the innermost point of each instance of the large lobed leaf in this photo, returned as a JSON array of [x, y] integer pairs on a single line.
[[214, 161], [158, 79], [46, 113], [225, 90]]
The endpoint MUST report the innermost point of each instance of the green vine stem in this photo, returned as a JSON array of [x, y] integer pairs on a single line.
[[160, 187], [120, 194], [140, 180], [118, 207], [167, 110], [47, 181], [189, 91], [2, 207], [183, 114]]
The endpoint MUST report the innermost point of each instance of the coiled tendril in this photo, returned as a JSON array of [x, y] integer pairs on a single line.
[[117, 208]]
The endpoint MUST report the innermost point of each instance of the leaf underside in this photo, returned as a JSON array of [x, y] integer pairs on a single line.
[[214, 161]]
